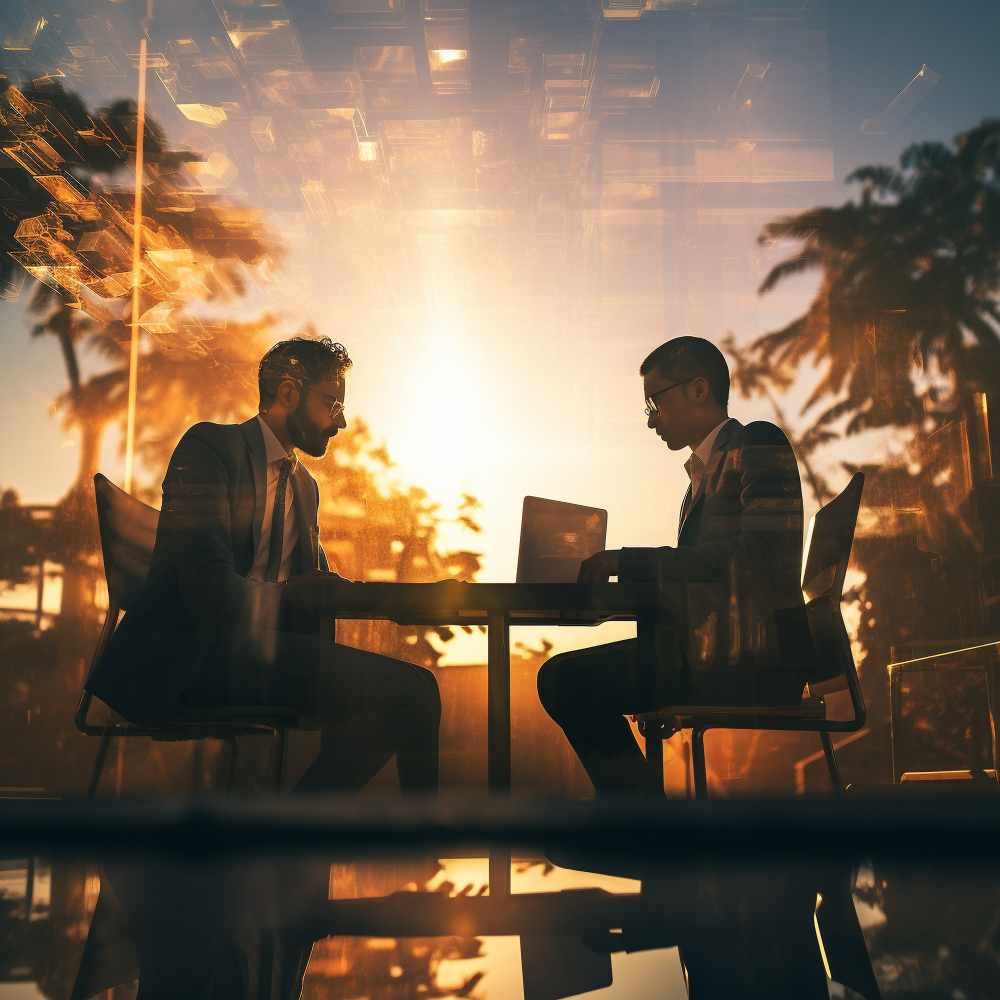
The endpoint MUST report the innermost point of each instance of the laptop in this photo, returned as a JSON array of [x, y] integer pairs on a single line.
[[556, 537]]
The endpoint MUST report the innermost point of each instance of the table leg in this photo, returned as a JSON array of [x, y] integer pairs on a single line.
[[498, 711], [498, 739]]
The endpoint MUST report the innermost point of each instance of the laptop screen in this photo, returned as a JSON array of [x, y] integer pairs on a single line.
[[556, 537]]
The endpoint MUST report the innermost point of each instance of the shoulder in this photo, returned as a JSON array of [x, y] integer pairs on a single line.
[[763, 450], [312, 479], [213, 433], [760, 433], [206, 438]]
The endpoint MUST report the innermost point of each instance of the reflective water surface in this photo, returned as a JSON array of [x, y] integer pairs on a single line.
[[344, 901]]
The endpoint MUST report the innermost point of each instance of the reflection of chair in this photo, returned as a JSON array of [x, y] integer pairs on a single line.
[[128, 530], [831, 535]]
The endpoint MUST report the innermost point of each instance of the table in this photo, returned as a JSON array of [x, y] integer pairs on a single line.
[[495, 605]]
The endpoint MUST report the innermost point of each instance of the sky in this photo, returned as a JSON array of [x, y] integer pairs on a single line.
[[500, 404]]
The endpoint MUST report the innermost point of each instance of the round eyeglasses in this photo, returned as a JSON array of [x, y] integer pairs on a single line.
[[651, 406]]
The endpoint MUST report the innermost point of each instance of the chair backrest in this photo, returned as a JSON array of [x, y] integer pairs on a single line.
[[828, 552], [829, 543], [128, 531]]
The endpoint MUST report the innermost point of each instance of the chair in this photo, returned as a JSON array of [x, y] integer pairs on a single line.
[[982, 659], [831, 535], [128, 530]]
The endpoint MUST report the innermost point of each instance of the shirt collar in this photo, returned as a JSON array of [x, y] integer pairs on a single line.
[[273, 450], [703, 450]]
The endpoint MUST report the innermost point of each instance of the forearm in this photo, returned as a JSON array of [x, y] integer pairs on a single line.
[[695, 564], [215, 590]]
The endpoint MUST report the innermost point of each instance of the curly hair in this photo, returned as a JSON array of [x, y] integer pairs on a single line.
[[303, 360]]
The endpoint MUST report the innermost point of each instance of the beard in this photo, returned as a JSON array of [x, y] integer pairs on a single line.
[[305, 435]]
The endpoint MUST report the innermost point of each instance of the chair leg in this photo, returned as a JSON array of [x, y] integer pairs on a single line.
[[234, 751], [95, 773], [831, 763], [654, 758], [277, 760], [698, 763]]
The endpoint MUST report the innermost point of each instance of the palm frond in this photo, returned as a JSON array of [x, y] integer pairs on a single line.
[[801, 262]]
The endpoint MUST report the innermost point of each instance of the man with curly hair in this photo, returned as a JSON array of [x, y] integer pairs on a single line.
[[238, 522]]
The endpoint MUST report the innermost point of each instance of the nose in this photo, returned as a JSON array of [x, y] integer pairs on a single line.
[[340, 421], [651, 420]]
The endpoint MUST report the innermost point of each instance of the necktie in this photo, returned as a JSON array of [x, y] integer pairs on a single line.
[[277, 524]]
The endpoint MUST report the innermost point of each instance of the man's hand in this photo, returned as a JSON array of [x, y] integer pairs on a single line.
[[599, 567]]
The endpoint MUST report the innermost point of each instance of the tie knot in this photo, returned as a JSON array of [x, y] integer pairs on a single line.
[[286, 468]]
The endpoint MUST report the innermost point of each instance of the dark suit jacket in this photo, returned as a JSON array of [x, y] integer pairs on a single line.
[[734, 574], [206, 541]]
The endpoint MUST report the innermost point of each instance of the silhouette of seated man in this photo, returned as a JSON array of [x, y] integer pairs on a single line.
[[737, 561], [238, 522]]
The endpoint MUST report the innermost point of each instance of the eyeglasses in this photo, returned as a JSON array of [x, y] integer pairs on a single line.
[[651, 406], [336, 406]]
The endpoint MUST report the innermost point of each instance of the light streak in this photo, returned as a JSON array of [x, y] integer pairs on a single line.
[[133, 366]]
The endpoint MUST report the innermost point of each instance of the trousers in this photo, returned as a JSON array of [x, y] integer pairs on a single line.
[[370, 707], [588, 692]]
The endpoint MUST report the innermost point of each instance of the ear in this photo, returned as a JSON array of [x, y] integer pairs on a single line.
[[288, 394], [700, 389]]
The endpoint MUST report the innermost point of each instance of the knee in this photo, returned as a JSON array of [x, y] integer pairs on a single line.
[[551, 681], [417, 689], [433, 705]]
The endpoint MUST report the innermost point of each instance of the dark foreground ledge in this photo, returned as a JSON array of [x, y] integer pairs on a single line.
[[931, 829]]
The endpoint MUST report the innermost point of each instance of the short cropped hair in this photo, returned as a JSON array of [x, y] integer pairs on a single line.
[[303, 360], [688, 357]]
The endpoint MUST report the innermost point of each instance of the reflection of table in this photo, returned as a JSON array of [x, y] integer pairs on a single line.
[[495, 605]]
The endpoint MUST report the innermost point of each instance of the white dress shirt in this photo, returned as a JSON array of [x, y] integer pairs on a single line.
[[275, 455], [695, 465]]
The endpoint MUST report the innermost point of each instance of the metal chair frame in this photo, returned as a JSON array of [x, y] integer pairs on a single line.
[[832, 644], [226, 723]]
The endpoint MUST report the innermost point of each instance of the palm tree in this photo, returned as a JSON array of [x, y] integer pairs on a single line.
[[197, 246], [905, 325], [87, 406], [910, 273], [74, 234]]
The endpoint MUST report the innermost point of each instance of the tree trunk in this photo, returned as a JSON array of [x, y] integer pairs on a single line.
[[91, 436], [82, 565]]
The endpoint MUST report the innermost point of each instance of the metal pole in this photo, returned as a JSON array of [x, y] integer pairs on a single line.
[[133, 367], [498, 740], [498, 711]]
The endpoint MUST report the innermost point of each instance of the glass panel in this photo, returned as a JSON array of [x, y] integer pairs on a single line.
[[501, 212]]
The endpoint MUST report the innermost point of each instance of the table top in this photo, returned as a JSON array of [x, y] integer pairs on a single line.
[[454, 602]]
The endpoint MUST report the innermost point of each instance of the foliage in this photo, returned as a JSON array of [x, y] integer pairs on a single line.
[[197, 248], [909, 278], [20, 544], [904, 327], [374, 528]]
